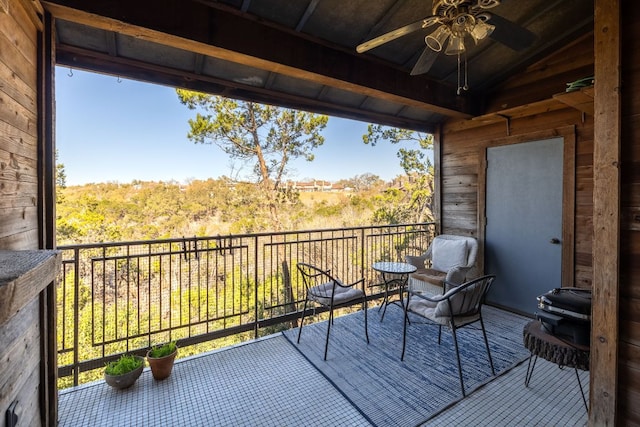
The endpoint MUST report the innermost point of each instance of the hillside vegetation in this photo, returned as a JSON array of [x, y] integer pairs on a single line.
[[108, 212]]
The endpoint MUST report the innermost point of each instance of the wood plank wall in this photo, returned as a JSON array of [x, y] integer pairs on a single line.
[[460, 165], [515, 113], [18, 128], [20, 352], [461, 144], [546, 77], [629, 319]]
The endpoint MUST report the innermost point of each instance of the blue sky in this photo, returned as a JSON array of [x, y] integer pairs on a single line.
[[118, 130]]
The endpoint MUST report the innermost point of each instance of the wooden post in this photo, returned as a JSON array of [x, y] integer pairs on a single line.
[[606, 215], [47, 217]]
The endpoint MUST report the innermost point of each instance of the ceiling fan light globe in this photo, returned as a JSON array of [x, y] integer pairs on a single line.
[[481, 30], [436, 39], [455, 46]]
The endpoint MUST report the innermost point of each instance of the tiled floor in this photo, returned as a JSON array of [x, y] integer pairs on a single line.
[[552, 399], [228, 392], [222, 389]]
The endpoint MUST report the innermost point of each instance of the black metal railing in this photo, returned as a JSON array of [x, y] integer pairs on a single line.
[[126, 296]]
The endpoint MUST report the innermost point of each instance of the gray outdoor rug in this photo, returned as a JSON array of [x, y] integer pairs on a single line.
[[394, 393]]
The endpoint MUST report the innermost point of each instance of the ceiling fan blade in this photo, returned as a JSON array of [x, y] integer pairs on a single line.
[[398, 32], [510, 34], [424, 63]]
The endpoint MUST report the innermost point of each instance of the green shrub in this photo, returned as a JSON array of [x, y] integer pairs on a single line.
[[163, 349], [126, 363]]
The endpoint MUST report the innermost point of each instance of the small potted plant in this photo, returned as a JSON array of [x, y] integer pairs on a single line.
[[124, 372], [161, 358]]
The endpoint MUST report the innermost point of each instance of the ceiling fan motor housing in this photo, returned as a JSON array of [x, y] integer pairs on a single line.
[[462, 16]]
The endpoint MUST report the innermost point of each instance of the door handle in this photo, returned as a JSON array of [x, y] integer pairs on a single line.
[[554, 241]]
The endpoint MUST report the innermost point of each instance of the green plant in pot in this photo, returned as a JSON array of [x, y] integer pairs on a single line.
[[161, 358], [123, 372]]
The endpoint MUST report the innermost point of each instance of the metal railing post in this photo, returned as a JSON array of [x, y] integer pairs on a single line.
[[255, 286], [76, 314], [362, 258]]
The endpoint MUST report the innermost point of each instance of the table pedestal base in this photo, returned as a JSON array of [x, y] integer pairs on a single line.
[[394, 279]]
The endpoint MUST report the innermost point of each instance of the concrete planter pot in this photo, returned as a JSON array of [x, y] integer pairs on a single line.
[[125, 380]]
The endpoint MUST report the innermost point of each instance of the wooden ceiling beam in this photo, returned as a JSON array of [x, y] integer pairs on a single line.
[[196, 27]]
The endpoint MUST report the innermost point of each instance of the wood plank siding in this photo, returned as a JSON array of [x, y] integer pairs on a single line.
[[463, 194], [629, 263], [509, 120], [463, 144], [18, 128], [24, 330]]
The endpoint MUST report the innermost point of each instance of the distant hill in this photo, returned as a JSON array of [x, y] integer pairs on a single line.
[[143, 210]]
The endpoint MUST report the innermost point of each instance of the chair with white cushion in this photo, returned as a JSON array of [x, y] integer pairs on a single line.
[[448, 259], [459, 307], [327, 291]]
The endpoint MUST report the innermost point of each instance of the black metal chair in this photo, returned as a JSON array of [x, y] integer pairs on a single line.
[[327, 291], [460, 306]]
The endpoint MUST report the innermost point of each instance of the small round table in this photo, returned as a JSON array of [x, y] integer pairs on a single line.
[[541, 343], [394, 277]]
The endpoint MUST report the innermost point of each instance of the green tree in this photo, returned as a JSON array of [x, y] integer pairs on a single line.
[[364, 182], [61, 175], [264, 136], [61, 180], [411, 160], [412, 202]]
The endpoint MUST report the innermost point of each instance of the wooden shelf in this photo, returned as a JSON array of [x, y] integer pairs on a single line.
[[581, 99], [23, 275]]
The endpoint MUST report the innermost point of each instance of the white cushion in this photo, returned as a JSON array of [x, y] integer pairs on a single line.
[[322, 293], [426, 309], [442, 309], [446, 254], [438, 312], [461, 300]]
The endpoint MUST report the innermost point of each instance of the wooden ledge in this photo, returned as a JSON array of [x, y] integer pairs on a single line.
[[581, 99], [23, 275]]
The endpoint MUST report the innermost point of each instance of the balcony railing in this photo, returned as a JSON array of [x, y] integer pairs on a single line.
[[124, 297]]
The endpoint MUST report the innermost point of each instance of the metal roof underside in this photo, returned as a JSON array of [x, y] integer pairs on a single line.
[[301, 54]]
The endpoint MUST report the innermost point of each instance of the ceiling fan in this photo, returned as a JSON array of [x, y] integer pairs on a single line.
[[457, 19]]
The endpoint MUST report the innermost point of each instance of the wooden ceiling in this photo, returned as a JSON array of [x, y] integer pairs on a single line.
[[301, 54]]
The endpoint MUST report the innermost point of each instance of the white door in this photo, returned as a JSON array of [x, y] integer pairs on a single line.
[[523, 232]]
